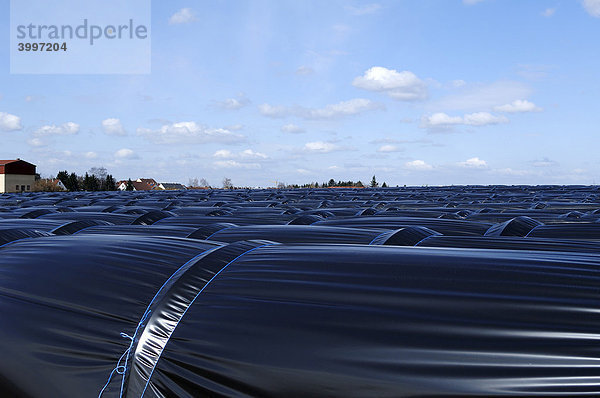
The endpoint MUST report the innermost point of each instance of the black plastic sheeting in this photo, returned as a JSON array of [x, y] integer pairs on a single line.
[[518, 226], [76, 226], [11, 235], [578, 231], [510, 243], [400, 292], [444, 226], [139, 230], [313, 320], [316, 234], [64, 300]]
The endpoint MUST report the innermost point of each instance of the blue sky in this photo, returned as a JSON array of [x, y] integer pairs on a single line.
[[434, 92]]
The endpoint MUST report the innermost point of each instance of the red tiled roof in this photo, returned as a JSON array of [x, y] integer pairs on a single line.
[[16, 166], [142, 186], [146, 184]]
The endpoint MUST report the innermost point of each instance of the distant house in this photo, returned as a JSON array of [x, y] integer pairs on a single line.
[[171, 186], [141, 184], [145, 184], [58, 183], [122, 185], [16, 176]]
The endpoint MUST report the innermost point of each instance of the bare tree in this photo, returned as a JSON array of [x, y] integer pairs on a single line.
[[99, 172], [227, 183], [204, 183], [46, 185], [193, 182]]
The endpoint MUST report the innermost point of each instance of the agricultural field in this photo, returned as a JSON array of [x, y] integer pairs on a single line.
[[346, 292]]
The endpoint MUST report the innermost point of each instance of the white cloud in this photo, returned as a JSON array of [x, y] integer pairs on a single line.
[[440, 119], [189, 132], [32, 98], [232, 164], [365, 9], [386, 140], [235, 127], [483, 119], [304, 70], [277, 111], [389, 148], [320, 147], [68, 128], [403, 86], [344, 108], [548, 12], [292, 129], [234, 103], [474, 163], [185, 15], [113, 127], [10, 122], [418, 165], [592, 7], [303, 171], [125, 153], [512, 172], [518, 106], [36, 142], [91, 155], [223, 153], [250, 154], [443, 121], [333, 111], [482, 96], [545, 162], [245, 154]]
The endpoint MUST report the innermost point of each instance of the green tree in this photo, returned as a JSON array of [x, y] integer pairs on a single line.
[[374, 183], [331, 183], [90, 183], [129, 185], [94, 183], [109, 183], [73, 182], [63, 176], [86, 182]]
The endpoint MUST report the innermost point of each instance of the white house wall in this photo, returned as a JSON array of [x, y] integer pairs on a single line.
[[9, 182]]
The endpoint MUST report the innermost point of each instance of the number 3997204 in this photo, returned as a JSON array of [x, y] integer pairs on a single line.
[[42, 46]]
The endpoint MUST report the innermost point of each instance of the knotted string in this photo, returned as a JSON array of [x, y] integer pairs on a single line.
[[119, 369]]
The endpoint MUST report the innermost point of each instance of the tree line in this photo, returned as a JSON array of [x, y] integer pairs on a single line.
[[333, 183], [96, 179], [194, 183]]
